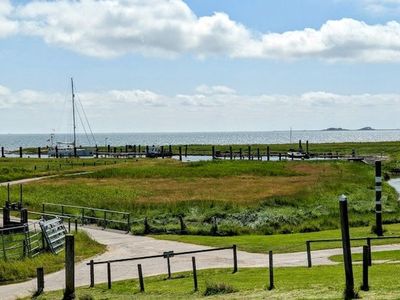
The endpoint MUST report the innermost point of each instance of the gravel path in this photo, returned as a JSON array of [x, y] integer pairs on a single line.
[[126, 245]]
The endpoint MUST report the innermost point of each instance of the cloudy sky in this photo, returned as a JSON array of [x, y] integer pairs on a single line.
[[200, 65]]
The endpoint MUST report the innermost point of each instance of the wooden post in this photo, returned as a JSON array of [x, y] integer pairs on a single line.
[[170, 149], [180, 153], [39, 154], [235, 262], [108, 149], [307, 146], [300, 146], [240, 153], [378, 198], [162, 152], [126, 148], [69, 292], [186, 150], [109, 275], [147, 150], [97, 152], [258, 153], [20, 152], [76, 225], [169, 267], [271, 271], [56, 154], [194, 274], [249, 152], [230, 153], [75, 152], [369, 252], [91, 273], [40, 280], [309, 262], [365, 285], [140, 149], [213, 152], [141, 282], [348, 267], [280, 156], [2, 152], [268, 153]]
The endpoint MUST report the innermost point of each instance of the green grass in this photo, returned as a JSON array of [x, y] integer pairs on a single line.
[[389, 256], [20, 270], [284, 243], [243, 196], [325, 282]]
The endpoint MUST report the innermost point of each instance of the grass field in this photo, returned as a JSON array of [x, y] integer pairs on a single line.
[[387, 256], [325, 282], [242, 196], [20, 270]]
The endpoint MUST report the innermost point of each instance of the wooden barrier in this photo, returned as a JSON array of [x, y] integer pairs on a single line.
[[40, 281], [271, 271], [69, 292], [194, 274]]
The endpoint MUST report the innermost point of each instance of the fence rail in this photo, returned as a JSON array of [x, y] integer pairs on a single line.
[[367, 239], [89, 214], [167, 255]]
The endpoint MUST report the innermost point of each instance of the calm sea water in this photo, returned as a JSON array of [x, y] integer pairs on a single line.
[[13, 141]]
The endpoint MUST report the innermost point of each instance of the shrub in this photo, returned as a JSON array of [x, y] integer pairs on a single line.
[[218, 288]]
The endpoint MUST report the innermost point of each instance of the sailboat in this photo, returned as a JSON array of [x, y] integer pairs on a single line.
[[69, 149]]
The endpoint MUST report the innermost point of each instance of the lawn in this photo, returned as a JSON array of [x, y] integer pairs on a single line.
[[20, 270], [325, 282], [387, 256], [222, 198]]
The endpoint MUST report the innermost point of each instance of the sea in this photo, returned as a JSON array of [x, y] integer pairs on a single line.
[[14, 141]]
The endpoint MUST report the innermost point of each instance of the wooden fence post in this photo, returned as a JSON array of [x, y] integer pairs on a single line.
[[271, 271], [180, 153], [141, 281], [40, 281], [186, 150], [20, 152], [268, 153], [39, 153], [194, 274], [109, 275], [235, 262], [249, 152], [365, 285], [378, 198], [348, 267], [213, 152], [91, 273], [309, 262], [2, 152], [240, 153], [169, 267], [69, 292]]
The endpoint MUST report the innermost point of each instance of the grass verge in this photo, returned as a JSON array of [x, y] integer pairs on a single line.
[[20, 270]]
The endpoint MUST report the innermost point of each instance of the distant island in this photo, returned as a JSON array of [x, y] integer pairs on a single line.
[[344, 129]]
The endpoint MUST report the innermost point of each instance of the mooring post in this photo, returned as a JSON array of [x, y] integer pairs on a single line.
[[309, 262], [69, 292], [268, 153], [141, 281], [39, 154], [2, 152], [378, 197], [91, 273], [194, 274], [365, 285], [348, 267], [235, 262], [271, 271], [109, 275], [40, 280], [180, 153]]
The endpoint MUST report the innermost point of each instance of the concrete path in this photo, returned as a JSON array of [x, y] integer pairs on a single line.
[[125, 245]]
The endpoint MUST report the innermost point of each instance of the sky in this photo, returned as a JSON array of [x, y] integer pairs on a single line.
[[199, 65]]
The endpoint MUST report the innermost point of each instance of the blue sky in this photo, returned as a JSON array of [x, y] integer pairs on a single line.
[[200, 65]]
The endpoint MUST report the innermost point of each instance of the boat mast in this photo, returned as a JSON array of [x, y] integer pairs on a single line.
[[73, 111]]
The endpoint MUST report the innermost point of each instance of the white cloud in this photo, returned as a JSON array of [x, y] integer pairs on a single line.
[[210, 108], [7, 26], [380, 7], [110, 28]]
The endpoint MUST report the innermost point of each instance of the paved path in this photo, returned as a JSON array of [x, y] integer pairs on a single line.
[[125, 245], [28, 180]]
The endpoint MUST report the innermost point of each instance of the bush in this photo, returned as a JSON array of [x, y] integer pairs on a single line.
[[218, 288], [309, 228]]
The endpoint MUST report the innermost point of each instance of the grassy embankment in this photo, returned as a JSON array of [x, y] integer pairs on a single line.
[[325, 282], [243, 196], [20, 270]]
